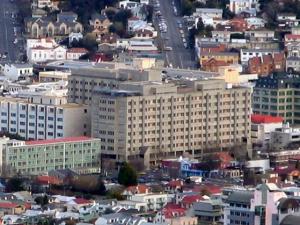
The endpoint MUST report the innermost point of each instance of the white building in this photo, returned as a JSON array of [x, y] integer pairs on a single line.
[[154, 201], [208, 12], [261, 128], [255, 22], [238, 6], [284, 136], [43, 114], [43, 50], [15, 71]]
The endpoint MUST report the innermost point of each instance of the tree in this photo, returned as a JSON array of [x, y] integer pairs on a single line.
[[42, 200], [14, 184], [89, 42], [127, 175], [187, 7]]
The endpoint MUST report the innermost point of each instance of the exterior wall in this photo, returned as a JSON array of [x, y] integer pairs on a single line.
[[38, 121], [171, 123], [281, 102], [40, 158], [154, 201], [13, 72]]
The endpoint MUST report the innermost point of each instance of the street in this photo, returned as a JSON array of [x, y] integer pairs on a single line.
[[179, 56], [9, 32]]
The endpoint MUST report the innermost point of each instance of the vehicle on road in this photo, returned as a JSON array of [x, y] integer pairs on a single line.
[[168, 48]]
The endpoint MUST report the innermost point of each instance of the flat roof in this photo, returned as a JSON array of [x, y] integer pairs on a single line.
[[60, 140]]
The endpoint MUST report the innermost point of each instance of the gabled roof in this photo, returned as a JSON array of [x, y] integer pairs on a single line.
[[81, 201], [189, 199], [8, 205]]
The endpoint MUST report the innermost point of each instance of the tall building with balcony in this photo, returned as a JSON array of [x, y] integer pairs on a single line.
[[278, 95], [150, 120]]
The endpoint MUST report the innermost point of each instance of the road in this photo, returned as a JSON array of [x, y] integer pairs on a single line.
[[179, 56], [7, 33]]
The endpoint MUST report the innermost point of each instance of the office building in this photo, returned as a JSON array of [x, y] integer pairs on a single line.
[[278, 95], [152, 120], [38, 157], [42, 112]]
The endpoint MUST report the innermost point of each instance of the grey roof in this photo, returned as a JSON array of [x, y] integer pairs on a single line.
[[24, 65], [290, 220], [209, 10], [98, 16], [260, 50], [240, 197]]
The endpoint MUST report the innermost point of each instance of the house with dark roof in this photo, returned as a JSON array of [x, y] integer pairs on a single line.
[[65, 23], [238, 208], [208, 211]]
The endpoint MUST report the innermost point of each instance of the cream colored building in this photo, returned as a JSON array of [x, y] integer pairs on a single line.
[[151, 120], [53, 76]]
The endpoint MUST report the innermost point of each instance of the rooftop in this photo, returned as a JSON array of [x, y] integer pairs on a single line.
[[258, 118], [59, 140]]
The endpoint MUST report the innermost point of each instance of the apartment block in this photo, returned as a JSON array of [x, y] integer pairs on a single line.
[[38, 120], [152, 120], [278, 95], [38, 157], [83, 81]]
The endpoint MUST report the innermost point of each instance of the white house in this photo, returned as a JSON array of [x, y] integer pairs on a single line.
[[238, 6], [40, 42], [42, 54], [154, 201], [75, 36], [75, 53], [15, 71], [255, 22], [212, 13]]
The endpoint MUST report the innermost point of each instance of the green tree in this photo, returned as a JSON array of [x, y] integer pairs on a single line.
[[42, 200], [127, 175], [187, 7], [14, 184]]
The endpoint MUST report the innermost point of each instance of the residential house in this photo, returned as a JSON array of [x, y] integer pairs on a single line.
[[75, 53], [188, 200], [267, 64], [255, 23], [135, 24], [222, 36], [17, 71], [292, 45], [247, 54], [225, 57], [133, 190], [45, 27], [100, 24], [293, 64], [238, 24], [209, 212], [108, 40], [238, 6], [11, 208], [209, 12], [213, 65], [134, 7], [260, 35], [144, 34], [287, 20], [75, 37], [154, 201]]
